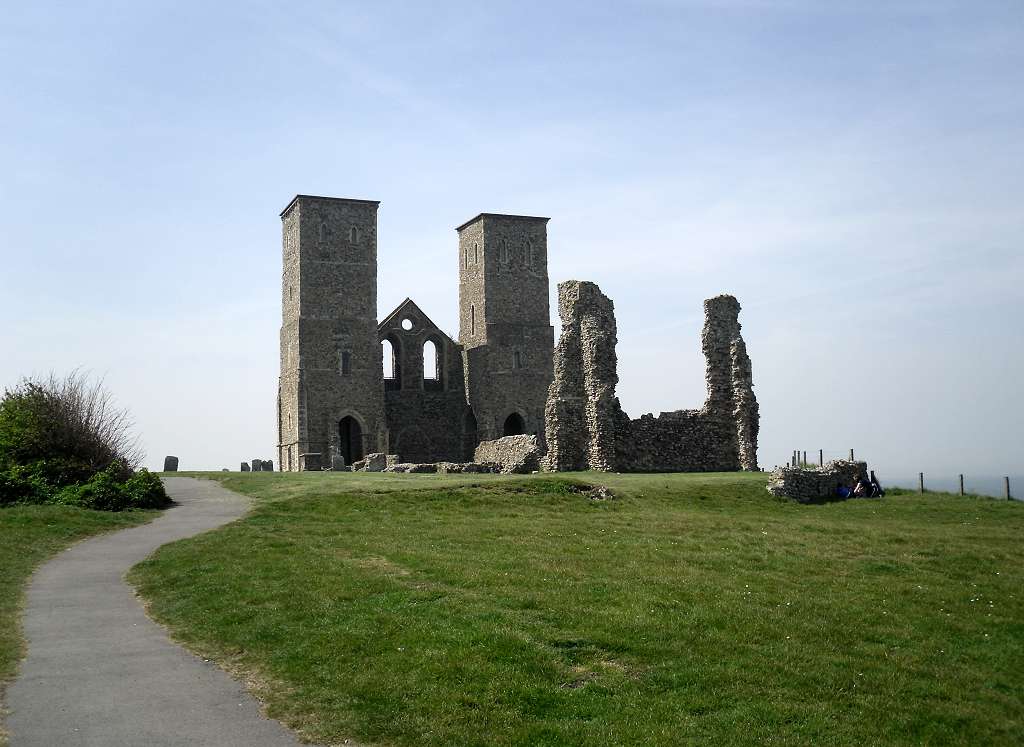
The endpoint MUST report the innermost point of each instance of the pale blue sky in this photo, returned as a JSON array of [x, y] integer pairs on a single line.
[[852, 171]]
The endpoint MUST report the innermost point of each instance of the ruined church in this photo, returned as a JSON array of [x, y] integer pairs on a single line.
[[351, 385]]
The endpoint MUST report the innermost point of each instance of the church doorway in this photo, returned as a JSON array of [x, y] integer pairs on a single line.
[[350, 439], [515, 425]]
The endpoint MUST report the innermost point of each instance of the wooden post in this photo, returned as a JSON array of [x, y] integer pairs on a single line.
[[920, 479], [961, 484], [851, 455], [1006, 483]]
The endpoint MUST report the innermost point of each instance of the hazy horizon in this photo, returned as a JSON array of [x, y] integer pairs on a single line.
[[852, 172]]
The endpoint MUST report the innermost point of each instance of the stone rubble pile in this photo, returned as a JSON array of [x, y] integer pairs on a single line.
[[514, 454]]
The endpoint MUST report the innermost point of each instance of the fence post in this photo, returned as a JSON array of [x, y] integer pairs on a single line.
[[821, 457], [961, 484], [920, 480], [1006, 483], [851, 455]]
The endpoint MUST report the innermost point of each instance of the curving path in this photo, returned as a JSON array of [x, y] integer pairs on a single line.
[[99, 672]]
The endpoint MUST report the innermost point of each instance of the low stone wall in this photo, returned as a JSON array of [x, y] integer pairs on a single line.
[[816, 485], [515, 454], [443, 467], [376, 462]]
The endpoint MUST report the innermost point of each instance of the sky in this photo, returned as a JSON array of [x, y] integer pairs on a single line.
[[852, 171]]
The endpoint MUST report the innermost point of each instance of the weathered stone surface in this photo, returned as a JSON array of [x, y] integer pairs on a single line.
[[515, 454], [170, 464], [586, 427], [375, 462], [817, 485], [245, 466], [332, 397], [338, 463]]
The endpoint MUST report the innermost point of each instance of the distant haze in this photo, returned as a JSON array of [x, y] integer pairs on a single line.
[[852, 171]]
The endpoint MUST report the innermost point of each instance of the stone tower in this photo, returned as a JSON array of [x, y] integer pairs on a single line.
[[505, 322], [331, 392]]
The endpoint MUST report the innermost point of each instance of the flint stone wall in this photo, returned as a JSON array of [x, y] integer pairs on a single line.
[[587, 428], [816, 485], [515, 454]]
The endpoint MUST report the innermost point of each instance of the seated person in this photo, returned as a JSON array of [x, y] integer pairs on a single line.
[[843, 491], [862, 489]]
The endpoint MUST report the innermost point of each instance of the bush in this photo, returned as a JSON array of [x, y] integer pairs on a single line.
[[20, 484], [109, 491], [63, 441]]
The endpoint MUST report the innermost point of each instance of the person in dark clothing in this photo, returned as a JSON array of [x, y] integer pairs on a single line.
[[876, 488]]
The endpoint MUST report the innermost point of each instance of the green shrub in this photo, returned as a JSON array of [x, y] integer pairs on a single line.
[[22, 484], [110, 491]]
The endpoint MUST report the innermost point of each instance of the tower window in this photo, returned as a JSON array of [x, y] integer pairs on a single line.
[[345, 364], [353, 234], [517, 359], [529, 253], [504, 251], [472, 320], [322, 232], [465, 257], [476, 254]]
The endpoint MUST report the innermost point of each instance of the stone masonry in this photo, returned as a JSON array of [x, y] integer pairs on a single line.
[[816, 485], [335, 404], [586, 427]]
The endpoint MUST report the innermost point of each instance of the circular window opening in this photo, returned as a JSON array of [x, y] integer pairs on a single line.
[[407, 324]]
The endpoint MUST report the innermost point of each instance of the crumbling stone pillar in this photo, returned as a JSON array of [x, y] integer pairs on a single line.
[[582, 412], [745, 408]]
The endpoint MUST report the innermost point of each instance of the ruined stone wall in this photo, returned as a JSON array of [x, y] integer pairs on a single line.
[[582, 412], [428, 419], [586, 427], [816, 485]]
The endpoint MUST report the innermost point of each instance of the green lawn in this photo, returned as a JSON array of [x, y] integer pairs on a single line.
[[692, 609], [28, 536]]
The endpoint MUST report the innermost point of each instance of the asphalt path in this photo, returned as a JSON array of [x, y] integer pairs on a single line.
[[99, 672]]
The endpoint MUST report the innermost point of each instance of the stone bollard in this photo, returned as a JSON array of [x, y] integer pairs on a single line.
[[170, 464], [245, 466]]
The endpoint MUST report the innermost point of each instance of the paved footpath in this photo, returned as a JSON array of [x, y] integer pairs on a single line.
[[99, 672]]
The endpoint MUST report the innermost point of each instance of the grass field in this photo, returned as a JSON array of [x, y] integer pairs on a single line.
[[692, 609], [28, 536]]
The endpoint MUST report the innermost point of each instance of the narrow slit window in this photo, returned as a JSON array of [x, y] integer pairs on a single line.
[[472, 320], [476, 254], [353, 234], [346, 363], [517, 359]]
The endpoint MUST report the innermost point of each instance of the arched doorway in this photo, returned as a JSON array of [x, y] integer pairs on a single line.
[[514, 425], [350, 439]]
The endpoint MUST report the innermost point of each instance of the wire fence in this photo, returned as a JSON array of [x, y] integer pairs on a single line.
[[998, 487]]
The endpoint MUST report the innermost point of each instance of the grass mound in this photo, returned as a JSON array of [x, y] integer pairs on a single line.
[[480, 610]]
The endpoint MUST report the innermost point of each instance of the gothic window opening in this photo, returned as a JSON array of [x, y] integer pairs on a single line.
[[322, 231], [472, 320], [504, 251], [476, 254], [345, 364], [353, 234], [517, 359], [430, 372], [392, 354]]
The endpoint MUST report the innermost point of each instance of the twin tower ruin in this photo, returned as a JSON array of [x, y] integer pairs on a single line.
[[351, 385]]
